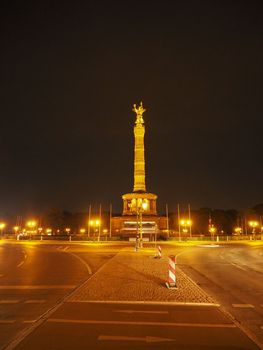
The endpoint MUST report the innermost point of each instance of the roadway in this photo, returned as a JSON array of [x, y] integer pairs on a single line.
[[233, 275], [36, 277], [36, 280]]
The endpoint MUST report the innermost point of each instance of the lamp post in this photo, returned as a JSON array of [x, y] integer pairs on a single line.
[[253, 224], [140, 209], [2, 226], [186, 225], [97, 224], [212, 231], [31, 225], [238, 230]]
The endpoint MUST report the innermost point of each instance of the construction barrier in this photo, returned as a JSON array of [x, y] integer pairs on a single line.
[[171, 283], [158, 252]]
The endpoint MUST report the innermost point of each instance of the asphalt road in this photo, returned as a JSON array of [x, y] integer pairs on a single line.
[[233, 275], [36, 278]]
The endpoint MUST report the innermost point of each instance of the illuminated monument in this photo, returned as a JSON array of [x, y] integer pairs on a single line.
[[139, 207], [139, 199]]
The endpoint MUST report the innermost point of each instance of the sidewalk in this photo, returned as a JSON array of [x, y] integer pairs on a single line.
[[138, 276]]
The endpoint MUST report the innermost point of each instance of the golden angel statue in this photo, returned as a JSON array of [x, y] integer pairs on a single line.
[[139, 112]]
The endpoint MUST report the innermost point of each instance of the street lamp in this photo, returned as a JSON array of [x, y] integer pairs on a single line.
[[140, 209], [48, 231], [2, 226], [238, 230], [253, 224], [186, 224], [96, 224], [31, 225], [212, 231]]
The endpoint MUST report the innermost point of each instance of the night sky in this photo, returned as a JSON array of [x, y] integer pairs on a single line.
[[71, 72]]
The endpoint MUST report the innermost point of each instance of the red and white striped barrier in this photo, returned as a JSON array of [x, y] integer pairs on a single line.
[[171, 283], [159, 252]]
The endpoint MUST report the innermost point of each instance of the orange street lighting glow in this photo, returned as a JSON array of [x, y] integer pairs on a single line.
[[31, 223], [2, 225], [82, 230], [253, 223]]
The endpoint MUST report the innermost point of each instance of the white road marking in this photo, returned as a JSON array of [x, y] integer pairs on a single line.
[[238, 266], [29, 321], [136, 302], [141, 312], [66, 248], [35, 301], [20, 264], [139, 323], [244, 306], [146, 339], [81, 260], [7, 321], [9, 301], [55, 286]]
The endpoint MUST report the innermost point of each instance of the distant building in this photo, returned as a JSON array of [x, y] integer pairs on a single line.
[[139, 215]]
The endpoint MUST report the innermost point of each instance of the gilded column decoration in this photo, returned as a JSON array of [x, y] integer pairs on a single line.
[[139, 161]]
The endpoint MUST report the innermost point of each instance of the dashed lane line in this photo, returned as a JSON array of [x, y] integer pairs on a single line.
[[243, 306], [9, 301], [35, 301], [139, 323], [142, 312], [40, 286]]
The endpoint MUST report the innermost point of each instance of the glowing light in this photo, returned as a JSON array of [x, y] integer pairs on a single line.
[[212, 229], [185, 222], [16, 228], [144, 205], [48, 230], [67, 229], [31, 223], [253, 223], [2, 225], [82, 230]]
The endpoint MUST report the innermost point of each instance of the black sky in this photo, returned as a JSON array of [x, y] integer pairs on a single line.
[[70, 73]]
